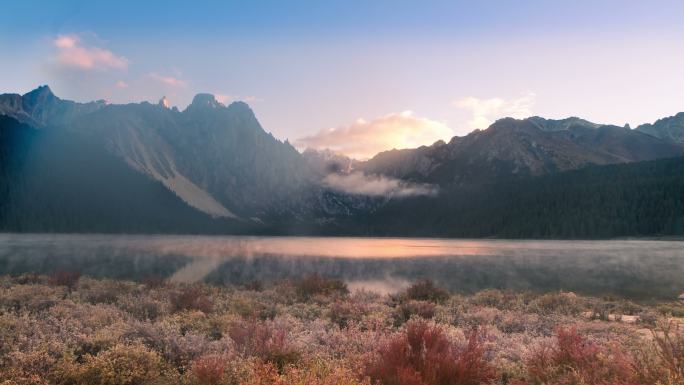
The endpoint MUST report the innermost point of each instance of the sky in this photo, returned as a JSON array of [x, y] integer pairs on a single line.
[[358, 76]]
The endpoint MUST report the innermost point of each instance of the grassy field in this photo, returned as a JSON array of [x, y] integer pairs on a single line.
[[67, 329]]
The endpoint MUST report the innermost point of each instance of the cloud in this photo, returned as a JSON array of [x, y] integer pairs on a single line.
[[363, 139], [121, 84], [72, 52], [358, 183], [485, 111], [168, 80]]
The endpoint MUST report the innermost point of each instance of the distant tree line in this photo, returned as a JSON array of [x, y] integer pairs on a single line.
[[637, 199]]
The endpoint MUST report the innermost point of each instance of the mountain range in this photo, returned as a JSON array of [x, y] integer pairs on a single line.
[[212, 168]]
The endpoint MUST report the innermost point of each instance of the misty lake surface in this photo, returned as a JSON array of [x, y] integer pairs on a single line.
[[638, 269]]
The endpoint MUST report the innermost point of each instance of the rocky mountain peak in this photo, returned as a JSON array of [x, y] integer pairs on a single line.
[[205, 100], [43, 91], [39, 96], [670, 128], [164, 102]]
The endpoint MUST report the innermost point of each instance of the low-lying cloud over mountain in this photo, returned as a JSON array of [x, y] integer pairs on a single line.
[[358, 183]]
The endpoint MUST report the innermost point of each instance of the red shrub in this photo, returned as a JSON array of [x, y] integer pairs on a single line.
[[426, 290], [209, 370], [423, 355], [191, 298], [259, 339], [575, 360], [64, 278]]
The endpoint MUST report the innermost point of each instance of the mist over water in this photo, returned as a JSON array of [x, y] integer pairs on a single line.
[[628, 268]]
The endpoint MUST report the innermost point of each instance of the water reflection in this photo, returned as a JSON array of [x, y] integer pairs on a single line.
[[639, 269]]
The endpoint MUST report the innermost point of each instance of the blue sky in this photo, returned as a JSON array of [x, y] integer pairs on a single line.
[[359, 76]]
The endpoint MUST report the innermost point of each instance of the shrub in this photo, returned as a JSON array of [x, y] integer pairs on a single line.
[[191, 297], [557, 303], [209, 370], [316, 374], [106, 294], [254, 285], [344, 312], [497, 299], [426, 290], [34, 298], [406, 310], [575, 360], [28, 279], [424, 355], [313, 285], [64, 278], [249, 307], [153, 282], [142, 308], [119, 365], [260, 339], [27, 368], [670, 342], [671, 309]]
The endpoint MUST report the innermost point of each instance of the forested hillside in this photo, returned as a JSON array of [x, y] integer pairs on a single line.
[[637, 199]]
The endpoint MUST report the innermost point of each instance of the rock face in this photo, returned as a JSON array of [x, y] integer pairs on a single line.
[[40, 107], [217, 158], [164, 102], [670, 129]]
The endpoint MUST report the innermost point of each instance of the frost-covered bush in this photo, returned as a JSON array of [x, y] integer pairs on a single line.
[[426, 290], [119, 365], [315, 285], [190, 297], [558, 303]]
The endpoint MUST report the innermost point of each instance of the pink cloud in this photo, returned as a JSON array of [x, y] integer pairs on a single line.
[[168, 80], [363, 139], [121, 84], [72, 52]]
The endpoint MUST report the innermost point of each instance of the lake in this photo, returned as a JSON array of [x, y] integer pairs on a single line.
[[637, 269]]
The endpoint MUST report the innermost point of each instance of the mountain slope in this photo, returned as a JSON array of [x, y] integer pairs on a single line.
[[133, 133], [512, 147], [61, 182], [670, 128], [217, 158], [226, 151]]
